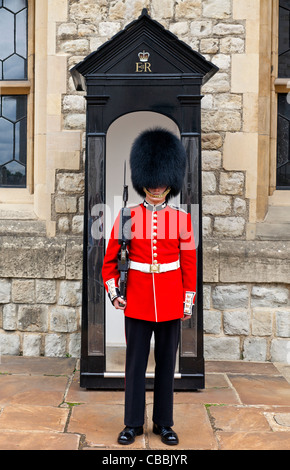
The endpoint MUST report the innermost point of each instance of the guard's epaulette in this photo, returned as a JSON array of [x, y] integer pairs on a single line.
[[177, 208]]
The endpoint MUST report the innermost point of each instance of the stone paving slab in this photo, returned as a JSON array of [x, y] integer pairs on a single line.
[[238, 419], [253, 441], [101, 424], [36, 390], [193, 427], [42, 407], [38, 441], [37, 365], [261, 389], [33, 418]]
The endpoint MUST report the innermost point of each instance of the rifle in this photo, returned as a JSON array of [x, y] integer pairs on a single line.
[[124, 239]]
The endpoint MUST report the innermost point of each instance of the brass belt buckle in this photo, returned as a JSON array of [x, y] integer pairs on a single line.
[[154, 268]]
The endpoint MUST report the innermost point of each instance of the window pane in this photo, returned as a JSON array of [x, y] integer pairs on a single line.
[[283, 143], [15, 5], [13, 40], [14, 107], [6, 141], [14, 67], [13, 141], [21, 43], [7, 33], [284, 40]]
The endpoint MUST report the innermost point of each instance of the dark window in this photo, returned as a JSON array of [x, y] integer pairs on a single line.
[[13, 39], [283, 124], [13, 140]]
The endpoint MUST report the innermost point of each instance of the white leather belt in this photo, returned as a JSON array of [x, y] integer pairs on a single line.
[[154, 268]]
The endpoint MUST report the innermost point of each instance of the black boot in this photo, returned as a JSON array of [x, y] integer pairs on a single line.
[[127, 436], [168, 436]]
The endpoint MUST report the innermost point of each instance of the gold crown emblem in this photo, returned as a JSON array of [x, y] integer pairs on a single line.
[[143, 56]]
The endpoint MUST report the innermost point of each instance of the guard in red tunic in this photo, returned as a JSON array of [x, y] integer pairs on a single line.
[[161, 285]]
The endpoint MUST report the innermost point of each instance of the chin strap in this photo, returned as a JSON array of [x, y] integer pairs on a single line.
[[160, 196]]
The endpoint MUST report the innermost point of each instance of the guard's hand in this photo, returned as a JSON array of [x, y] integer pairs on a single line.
[[186, 317], [121, 301]]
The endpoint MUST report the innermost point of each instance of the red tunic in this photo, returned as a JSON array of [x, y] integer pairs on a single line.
[[160, 234]]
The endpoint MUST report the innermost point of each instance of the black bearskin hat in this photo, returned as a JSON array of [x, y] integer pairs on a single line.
[[157, 159]]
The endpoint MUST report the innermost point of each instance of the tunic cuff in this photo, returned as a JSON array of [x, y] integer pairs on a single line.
[[189, 302], [113, 291]]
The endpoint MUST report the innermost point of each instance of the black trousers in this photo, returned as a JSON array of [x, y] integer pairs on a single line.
[[166, 339]]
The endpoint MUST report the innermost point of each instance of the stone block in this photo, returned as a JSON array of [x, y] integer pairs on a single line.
[[5, 291], [206, 297], [221, 348], [70, 293], [236, 322], [262, 322], [209, 46], [227, 29], [45, 291], [283, 323], [255, 349], [9, 344], [109, 28], [217, 205], [74, 347], [179, 28], [264, 296], [74, 259], [208, 182], [9, 317], [218, 10], [63, 319], [75, 46], [227, 100], [70, 182], [245, 82], [211, 160], [23, 291], [212, 322], [231, 183], [230, 297], [239, 206], [206, 227], [74, 103], [229, 226], [77, 224], [162, 9], [211, 141], [33, 318], [254, 261], [75, 121], [280, 351], [85, 12], [66, 30], [223, 62], [55, 345], [188, 8], [31, 345], [65, 204], [219, 83], [30, 257], [201, 28], [232, 45], [210, 261], [63, 224]]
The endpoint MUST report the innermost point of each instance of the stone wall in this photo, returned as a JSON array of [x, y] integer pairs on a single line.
[[246, 281]]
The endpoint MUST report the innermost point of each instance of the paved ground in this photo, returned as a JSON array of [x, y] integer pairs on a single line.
[[42, 407]]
